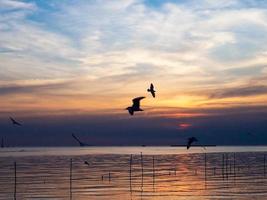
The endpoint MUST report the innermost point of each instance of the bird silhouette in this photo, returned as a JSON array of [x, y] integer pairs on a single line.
[[86, 163], [190, 141], [80, 143], [136, 105], [205, 148], [14, 122], [151, 90]]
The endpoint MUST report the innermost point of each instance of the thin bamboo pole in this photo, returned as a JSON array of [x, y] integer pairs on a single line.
[[71, 179], [15, 180]]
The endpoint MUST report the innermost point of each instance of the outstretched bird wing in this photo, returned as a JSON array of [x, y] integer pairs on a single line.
[[152, 90], [14, 121], [81, 143], [189, 142], [136, 101], [151, 86]]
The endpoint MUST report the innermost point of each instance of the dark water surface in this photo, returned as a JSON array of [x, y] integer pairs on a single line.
[[49, 173]]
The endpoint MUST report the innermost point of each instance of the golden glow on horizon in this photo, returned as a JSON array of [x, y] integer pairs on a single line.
[[105, 104]]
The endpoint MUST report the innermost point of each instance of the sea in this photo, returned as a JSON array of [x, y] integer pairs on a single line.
[[111, 173]]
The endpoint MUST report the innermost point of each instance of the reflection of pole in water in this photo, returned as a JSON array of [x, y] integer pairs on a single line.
[[71, 178], [153, 173], [142, 170], [205, 158], [223, 165], [234, 165], [226, 165], [230, 161], [15, 180], [142, 167], [264, 164], [130, 172]]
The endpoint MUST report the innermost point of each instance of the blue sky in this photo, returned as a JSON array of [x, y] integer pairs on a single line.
[[92, 57]]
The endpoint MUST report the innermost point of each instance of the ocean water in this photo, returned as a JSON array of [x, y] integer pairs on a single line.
[[112, 173]]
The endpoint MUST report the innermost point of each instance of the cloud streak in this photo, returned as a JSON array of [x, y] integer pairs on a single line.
[[240, 92], [189, 49]]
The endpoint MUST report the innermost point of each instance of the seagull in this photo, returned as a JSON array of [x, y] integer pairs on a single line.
[[80, 143], [151, 89], [204, 147], [14, 122], [136, 105], [86, 163], [190, 141]]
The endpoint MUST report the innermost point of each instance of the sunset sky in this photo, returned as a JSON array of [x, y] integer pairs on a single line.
[[74, 66]]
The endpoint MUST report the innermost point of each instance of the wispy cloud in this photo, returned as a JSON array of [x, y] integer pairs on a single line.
[[14, 5], [115, 48], [240, 92]]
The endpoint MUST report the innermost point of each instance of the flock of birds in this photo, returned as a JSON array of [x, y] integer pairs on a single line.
[[136, 101], [131, 109], [136, 107]]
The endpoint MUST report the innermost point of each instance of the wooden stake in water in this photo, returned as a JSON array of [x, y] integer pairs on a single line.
[[70, 178], [15, 180], [142, 168], [153, 166], [230, 164], [226, 165], [223, 165], [153, 172], [205, 158], [130, 172], [264, 164], [234, 164]]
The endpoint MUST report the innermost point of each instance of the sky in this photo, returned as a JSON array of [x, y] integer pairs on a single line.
[[74, 66]]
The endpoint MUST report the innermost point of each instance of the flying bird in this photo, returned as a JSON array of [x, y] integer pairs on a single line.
[[136, 105], [86, 163], [151, 90], [14, 122], [204, 147], [80, 142], [190, 141]]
